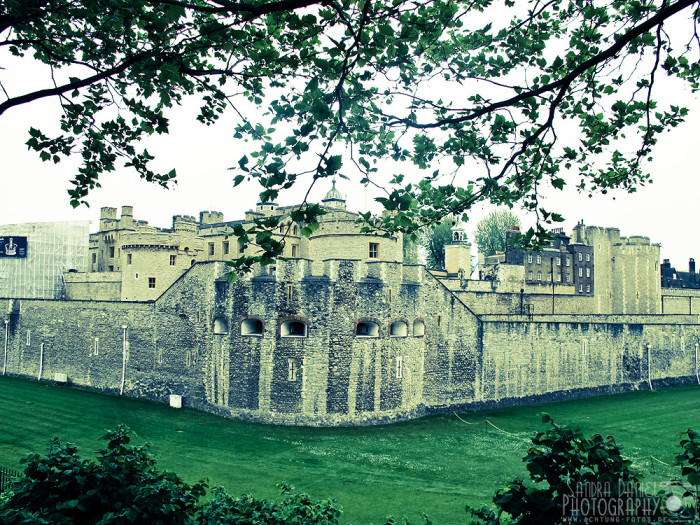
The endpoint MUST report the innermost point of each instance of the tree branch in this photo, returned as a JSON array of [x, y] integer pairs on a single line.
[[242, 7], [610, 52], [30, 97]]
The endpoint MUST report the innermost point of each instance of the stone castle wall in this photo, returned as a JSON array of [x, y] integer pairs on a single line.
[[430, 352], [680, 301]]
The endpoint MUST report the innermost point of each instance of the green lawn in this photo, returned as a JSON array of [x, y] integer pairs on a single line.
[[434, 465]]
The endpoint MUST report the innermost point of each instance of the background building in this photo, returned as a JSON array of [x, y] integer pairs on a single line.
[[129, 260], [52, 250]]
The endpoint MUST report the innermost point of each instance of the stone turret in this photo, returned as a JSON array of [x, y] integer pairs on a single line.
[[458, 253], [107, 215], [210, 217]]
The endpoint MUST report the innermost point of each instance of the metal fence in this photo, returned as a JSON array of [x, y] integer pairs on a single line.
[[7, 476]]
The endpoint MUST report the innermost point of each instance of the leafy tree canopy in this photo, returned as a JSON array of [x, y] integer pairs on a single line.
[[434, 239], [490, 233], [493, 100]]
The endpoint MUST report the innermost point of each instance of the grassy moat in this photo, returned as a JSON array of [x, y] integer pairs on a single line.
[[434, 465]]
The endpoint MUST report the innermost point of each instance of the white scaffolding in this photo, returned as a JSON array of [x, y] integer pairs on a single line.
[[52, 249]]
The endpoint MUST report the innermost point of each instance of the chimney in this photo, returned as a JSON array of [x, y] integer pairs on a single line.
[[691, 265]]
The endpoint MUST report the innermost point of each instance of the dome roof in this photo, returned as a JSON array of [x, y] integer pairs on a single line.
[[333, 194]]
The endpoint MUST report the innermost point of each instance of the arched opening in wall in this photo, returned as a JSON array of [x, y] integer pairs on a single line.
[[220, 326], [251, 326], [367, 329], [293, 329], [418, 328], [398, 329]]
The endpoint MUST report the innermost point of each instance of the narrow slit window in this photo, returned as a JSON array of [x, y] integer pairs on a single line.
[[292, 370]]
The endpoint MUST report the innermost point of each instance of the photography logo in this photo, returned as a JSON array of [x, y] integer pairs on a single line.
[[623, 502]]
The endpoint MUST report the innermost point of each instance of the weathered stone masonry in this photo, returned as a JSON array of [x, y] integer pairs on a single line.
[[340, 342]]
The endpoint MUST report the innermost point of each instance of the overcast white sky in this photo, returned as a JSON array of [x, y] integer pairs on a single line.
[[667, 211]]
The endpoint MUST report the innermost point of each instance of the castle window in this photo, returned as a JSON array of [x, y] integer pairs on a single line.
[[580, 287], [656, 264], [558, 261], [224, 247], [529, 276], [173, 258], [94, 258], [367, 329], [111, 268], [549, 277], [580, 272], [151, 282], [251, 327], [529, 257], [111, 252], [558, 278], [96, 347], [418, 328], [389, 295], [398, 329], [399, 367], [295, 250], [588, 288], [568, 261], [539, 276], [128, 258], [211, 248], [296, 230], [584, 346], [588, 272], [273, 270], [220, 326], [282, 228], [580, 256], [374, 250], [293, 329], [136, 276], [29, 337], [568, 277], [439, 320], [290, 292], [588, 257], [539, 259], [292, 368]]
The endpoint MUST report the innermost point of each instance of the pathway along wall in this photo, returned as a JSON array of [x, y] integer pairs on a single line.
[[231, 349]]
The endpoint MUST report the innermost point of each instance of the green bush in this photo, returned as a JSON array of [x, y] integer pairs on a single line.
[[578, 479], [124, 486]]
